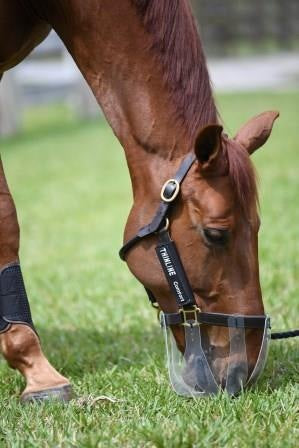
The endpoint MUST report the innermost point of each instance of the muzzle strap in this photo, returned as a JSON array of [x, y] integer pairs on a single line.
[[220, 319]]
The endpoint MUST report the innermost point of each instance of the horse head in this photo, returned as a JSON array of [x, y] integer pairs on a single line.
[[215, 224]]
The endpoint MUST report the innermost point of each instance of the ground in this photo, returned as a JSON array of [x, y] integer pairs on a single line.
[[72, 192]]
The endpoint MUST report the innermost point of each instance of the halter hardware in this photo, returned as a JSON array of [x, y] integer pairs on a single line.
[[166, 226], [170, 190], [186, 320]]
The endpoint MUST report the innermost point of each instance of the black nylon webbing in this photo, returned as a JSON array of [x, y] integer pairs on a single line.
[[162, 211], [219, 319], [174, 271]]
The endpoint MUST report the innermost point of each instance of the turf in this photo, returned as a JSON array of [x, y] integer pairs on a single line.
[[72, 191]]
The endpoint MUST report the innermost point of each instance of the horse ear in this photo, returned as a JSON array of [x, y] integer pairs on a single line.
[[256, 131], [208, 145]]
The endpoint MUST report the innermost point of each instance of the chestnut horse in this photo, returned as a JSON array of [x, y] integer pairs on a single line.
[[144, 62]]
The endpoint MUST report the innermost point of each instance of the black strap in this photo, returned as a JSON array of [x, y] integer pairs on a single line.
[[163, 208], [174, 271], [218, 319], [285, 334], [152, 298]]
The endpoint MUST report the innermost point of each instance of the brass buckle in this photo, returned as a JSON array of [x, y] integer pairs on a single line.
[[193, 312], [174, 194]]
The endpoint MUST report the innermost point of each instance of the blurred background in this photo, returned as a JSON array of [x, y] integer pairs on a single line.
[[250, 45], [244, 27]]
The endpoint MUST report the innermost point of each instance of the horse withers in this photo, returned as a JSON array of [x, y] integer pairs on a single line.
[[145, 65]]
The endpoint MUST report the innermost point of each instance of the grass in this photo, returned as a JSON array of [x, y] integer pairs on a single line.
[[72, 191]]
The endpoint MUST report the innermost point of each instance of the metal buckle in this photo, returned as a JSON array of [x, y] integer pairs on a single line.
[[175, 192], [193, 311]]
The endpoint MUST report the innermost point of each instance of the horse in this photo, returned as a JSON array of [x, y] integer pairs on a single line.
[[144, 62]]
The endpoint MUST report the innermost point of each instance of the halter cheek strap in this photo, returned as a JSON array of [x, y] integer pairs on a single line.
[[172, 265], [179, 285], [174, 271], [169, 193]]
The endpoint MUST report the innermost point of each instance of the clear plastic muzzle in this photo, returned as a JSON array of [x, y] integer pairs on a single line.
[[203, 369]]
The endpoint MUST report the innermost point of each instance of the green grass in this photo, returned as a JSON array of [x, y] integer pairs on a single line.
[[72, 191]]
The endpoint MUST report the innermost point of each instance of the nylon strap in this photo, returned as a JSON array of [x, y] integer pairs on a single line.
[[218, 319], [162, 211], [174, 271]]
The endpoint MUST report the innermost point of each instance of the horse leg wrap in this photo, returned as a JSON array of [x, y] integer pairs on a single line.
[[14, 305]]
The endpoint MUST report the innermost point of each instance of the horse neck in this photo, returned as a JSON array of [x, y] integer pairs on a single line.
[[113, 51]]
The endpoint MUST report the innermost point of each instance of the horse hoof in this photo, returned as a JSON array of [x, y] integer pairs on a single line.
[[62, 393]]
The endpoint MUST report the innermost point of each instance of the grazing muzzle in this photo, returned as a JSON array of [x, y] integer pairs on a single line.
[[199, 368]]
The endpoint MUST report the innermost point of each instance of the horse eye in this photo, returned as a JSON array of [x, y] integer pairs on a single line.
[[216, 237]]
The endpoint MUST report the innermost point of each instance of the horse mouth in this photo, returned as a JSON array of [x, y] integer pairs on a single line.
[[204, 378]]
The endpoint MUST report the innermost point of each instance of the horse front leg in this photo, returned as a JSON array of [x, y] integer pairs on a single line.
[[19, 342]]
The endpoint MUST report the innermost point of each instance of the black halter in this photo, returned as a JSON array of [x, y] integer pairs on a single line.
[[169, 193], [173, 268]]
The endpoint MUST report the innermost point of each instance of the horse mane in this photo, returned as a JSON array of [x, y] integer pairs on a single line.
[[176, 42], [177, 45]]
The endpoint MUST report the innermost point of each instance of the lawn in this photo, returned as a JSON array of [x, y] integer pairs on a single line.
[[72, 191]]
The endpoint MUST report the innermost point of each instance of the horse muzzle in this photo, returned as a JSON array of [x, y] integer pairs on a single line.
[[196, 369]]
